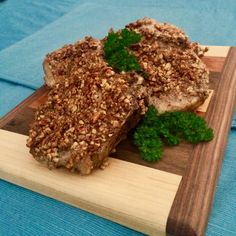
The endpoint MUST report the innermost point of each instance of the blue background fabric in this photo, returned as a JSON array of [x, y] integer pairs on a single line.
[[22, 18], [30, 29]]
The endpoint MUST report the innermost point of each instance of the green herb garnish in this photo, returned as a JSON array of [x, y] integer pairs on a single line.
[[117, 53], [170, 128]]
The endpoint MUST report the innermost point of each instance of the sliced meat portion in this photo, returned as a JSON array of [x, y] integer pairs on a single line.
[[85, 116], [177, 79]]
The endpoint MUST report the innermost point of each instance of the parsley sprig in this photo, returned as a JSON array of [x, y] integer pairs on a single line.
[[169, 128], [117, 53]]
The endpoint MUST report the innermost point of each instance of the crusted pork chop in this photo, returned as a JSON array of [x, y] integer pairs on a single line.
[[86, 115], [177, 78]]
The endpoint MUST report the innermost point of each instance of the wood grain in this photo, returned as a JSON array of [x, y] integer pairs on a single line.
[[214, 63], [194, 197], [19, 108], [132, 195]]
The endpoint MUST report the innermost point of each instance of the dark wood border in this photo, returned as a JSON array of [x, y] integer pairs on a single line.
[[192, 204], [11, 114]]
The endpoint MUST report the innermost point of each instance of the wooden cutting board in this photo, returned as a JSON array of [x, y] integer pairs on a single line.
[[173, 195]]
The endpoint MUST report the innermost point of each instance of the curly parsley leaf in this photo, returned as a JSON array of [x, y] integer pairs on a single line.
[[170, 128], [149, 142], [117, 53]]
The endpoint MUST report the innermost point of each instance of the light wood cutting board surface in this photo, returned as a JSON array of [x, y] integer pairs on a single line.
[[130, 194]]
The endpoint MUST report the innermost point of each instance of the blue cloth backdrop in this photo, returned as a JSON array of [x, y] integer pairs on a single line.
[[30, 29]]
